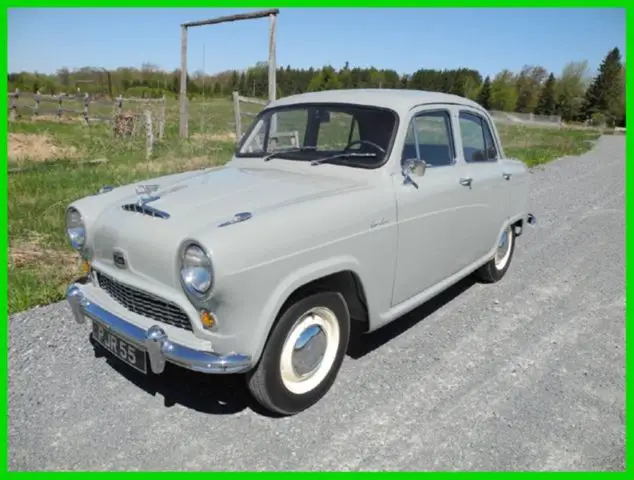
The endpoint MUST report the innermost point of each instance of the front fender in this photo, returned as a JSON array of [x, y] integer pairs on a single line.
[[293, 281]]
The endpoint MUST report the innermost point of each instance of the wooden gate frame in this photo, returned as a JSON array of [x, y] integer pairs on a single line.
[[272, 14]]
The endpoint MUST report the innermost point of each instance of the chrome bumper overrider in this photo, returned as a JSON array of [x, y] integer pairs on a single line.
[[155, 341]]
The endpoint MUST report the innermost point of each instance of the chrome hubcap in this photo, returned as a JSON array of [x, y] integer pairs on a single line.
[[504, 249], [309, 350]]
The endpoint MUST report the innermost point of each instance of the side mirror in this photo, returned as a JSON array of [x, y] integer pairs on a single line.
[[413, 168], [416, 167]]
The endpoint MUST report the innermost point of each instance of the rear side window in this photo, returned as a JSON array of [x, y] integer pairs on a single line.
[[477, 139]]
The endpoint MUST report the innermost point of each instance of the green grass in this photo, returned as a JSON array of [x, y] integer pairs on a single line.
[[41, 262], [536, 146]]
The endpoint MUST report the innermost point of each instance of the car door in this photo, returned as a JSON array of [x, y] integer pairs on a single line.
[[430, 217], [484, 180]]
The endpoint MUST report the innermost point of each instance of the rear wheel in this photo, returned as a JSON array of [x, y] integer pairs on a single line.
[[303, 354], [496, 268]]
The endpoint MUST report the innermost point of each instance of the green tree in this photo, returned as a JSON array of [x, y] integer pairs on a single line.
[[547, 104], [503, 92], [570, 89], [529, 84], [484, 97], [326, 79], [606, 93], [471, 88]]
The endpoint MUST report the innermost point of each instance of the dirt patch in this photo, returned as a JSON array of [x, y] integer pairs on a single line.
[[23, 253], [37, 147]]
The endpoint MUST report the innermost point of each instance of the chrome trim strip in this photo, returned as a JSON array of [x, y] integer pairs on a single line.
[[159, 347], [237, 218]]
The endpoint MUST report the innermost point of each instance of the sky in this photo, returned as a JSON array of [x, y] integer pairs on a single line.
[[404, 40]]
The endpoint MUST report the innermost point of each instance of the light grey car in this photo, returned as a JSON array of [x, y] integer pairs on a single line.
[[337, 207]]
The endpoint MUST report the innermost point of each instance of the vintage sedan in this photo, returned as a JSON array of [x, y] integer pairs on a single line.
[[338, 208]]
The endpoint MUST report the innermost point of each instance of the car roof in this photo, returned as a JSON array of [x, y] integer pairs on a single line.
[[397, 99]]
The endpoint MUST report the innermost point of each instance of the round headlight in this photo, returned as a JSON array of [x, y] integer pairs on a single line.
[[75, 229], [196, 271]]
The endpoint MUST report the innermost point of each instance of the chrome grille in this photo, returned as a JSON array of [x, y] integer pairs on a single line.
[[145, 210], [143, 303]]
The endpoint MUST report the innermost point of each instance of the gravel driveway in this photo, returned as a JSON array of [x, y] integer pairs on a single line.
[[524, 374]]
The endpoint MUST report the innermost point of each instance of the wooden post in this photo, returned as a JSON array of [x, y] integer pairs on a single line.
[[14, 105], [149, 134], [162, 120], [86, 103], [183, 93], [272, 75], [272, 60], [237, 116], [59, 108], [36, 109]]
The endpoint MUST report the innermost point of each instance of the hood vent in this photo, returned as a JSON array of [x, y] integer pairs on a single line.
[[145, 210]]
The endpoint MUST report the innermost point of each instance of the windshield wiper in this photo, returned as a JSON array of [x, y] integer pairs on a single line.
[[288, 150], [342, 155]]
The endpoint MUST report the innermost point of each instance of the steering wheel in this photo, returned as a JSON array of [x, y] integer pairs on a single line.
[[366, 142]]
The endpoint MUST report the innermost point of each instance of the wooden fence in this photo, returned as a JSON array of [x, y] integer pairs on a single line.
[[40, 106], [92, 111]]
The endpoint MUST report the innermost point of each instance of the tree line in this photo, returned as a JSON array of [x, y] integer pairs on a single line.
[[572, 93]]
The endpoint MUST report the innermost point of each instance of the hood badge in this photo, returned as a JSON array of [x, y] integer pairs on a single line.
[[145, 193], [237, 218]]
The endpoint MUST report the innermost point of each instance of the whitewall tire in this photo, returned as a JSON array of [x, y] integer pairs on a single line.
[[495, 269], [303, 354]]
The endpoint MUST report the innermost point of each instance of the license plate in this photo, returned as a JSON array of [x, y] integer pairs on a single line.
[[117, 346]]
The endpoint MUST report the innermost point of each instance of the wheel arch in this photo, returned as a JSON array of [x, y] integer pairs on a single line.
[[342, 275]]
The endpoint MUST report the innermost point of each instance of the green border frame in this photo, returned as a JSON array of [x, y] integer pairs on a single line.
[[629, 172]]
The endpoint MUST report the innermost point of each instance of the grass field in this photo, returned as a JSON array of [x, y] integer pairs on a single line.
[[52, 164]]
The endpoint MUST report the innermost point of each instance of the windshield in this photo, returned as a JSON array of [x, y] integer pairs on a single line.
[[352, 135]]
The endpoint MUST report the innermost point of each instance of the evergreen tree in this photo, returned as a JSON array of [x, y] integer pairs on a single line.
[[605, 94], [547, 104], [484, 97]]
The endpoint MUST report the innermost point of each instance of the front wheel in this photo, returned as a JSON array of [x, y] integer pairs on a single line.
[[303, 354], [496, 268]]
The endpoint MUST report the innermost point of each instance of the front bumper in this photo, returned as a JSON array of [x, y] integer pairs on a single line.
[[159, 347]]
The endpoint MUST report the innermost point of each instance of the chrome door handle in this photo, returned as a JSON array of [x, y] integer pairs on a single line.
[[507, 176], [466, 181]]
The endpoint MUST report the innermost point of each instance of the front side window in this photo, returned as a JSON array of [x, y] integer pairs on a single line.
[[356, 135], [429, 138], [477, 139]]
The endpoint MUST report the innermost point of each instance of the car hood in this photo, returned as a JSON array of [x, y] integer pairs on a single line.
[[216, 195], [196, 204]]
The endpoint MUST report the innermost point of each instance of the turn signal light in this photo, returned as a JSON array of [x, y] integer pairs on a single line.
[[207, 319], [85, 267]]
